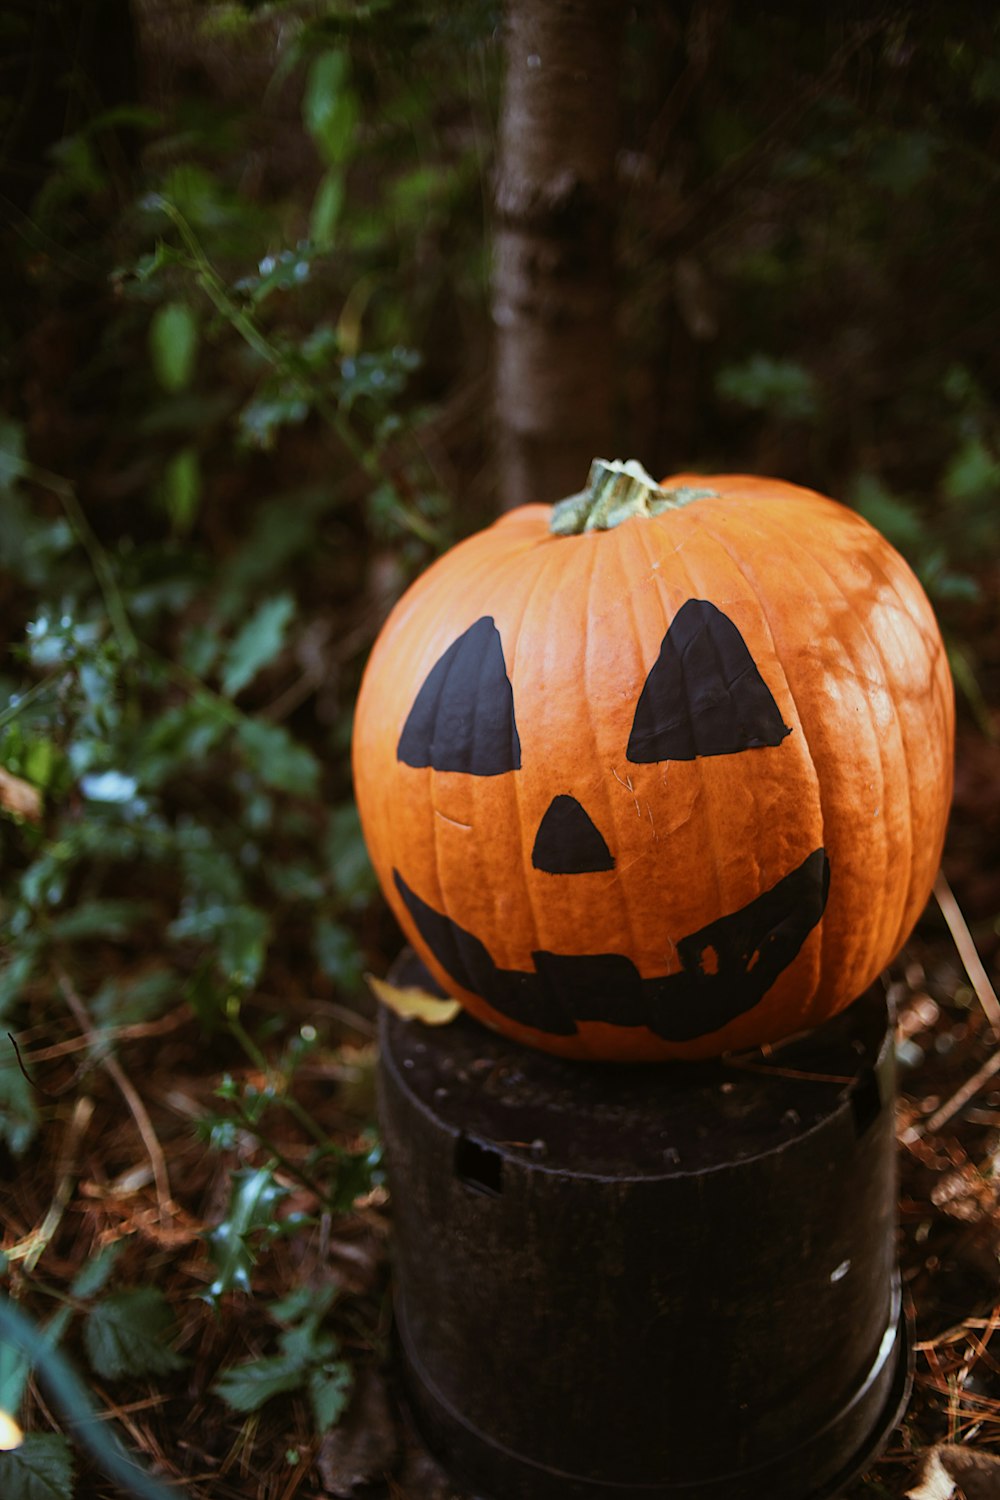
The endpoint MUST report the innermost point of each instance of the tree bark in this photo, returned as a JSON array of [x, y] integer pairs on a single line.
[[553, 295]]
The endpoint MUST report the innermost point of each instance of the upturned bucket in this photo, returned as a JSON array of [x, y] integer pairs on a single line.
[[655, 1281]]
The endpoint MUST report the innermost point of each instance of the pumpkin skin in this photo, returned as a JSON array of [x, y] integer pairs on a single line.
[[666, 790]]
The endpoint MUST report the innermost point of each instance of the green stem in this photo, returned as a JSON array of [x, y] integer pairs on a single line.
[[25, 699], [85, 1421], [618, 492], [99, 560], [280, 1159], [290, 1103], [215, 289]]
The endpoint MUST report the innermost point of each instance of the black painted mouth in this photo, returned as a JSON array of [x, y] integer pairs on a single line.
[[726, 967]]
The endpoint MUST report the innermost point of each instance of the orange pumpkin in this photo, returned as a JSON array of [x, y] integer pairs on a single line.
[[661, 772]]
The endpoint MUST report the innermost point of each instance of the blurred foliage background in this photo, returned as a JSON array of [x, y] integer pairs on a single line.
[[245, 396]]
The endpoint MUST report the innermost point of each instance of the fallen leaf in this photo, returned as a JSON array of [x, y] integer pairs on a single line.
[[414, 1003], [11, 1435], [363, 1448], [20, 797], [951, 1469]]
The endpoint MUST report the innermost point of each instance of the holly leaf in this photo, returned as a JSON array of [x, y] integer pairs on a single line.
[[129, 1334], [258, 643], [247, 1387], [173, 341], [251, 1214], [40, 1469], [337, 953], [12, 455], [277, 759], [18, 1111], [330, 1390], [96, 1273], [330, 107]]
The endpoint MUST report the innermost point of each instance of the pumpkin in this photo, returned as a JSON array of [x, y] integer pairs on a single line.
[[660, 772]]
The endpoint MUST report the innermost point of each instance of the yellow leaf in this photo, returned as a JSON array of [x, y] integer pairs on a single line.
[[20, 797], [414, 1003], [11, 1435]]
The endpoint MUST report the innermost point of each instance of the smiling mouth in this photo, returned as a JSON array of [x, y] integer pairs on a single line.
[[726, 967]]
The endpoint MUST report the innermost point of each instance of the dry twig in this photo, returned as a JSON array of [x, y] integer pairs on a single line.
[[967, 952], [126, 1088]]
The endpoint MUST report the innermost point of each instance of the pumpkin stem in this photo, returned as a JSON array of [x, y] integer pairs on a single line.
[[616, 492]]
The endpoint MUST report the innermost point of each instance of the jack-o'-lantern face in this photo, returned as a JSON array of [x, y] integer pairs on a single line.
[[703, 697], [665, 790]]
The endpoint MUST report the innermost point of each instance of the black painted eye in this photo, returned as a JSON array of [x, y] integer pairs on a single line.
[[462, 718], [569, 842], [703, 695]]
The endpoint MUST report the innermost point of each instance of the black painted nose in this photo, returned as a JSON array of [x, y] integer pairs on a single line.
[[568, 842]]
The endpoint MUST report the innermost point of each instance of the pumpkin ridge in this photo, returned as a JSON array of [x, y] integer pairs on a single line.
[[594, 590], [932, 661], [891, 856], [476, 580], [869, 968], [697, 588], [741, 565], [526, 873], [621, 543]]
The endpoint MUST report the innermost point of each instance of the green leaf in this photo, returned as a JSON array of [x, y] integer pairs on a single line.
[[306, 1344], [247, 1387], [124, 1002], [337, 953], [112, 919], [329, 1393], [277, 759], [896, 519], [239, 934], [973, 474], [18, 1111], [263, 417], [173, 344], [330, 107], [302, 1302], [258, 643], [41, 1469], [902, 161], [327, 204], [14, 975], [181, 489], [243, 941], [347, 855], [14, 1371], [95, 1274], [781, 387], [252, 1213], [11, 452], [128, 1334], [15, 1366]]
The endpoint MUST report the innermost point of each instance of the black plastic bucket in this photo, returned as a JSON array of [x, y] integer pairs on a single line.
[[663, 1281]]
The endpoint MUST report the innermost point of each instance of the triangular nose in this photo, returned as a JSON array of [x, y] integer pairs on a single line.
[[568, 842]]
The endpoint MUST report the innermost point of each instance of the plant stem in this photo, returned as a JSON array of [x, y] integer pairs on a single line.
[[99, 560], [256, 1056], [29, 696], [218, 294]]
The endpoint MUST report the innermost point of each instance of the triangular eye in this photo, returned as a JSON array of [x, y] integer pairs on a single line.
[[463, 716], [703, 695], [569, 842]]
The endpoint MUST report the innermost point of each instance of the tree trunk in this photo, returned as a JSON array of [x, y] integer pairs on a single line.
[[553, 299]]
